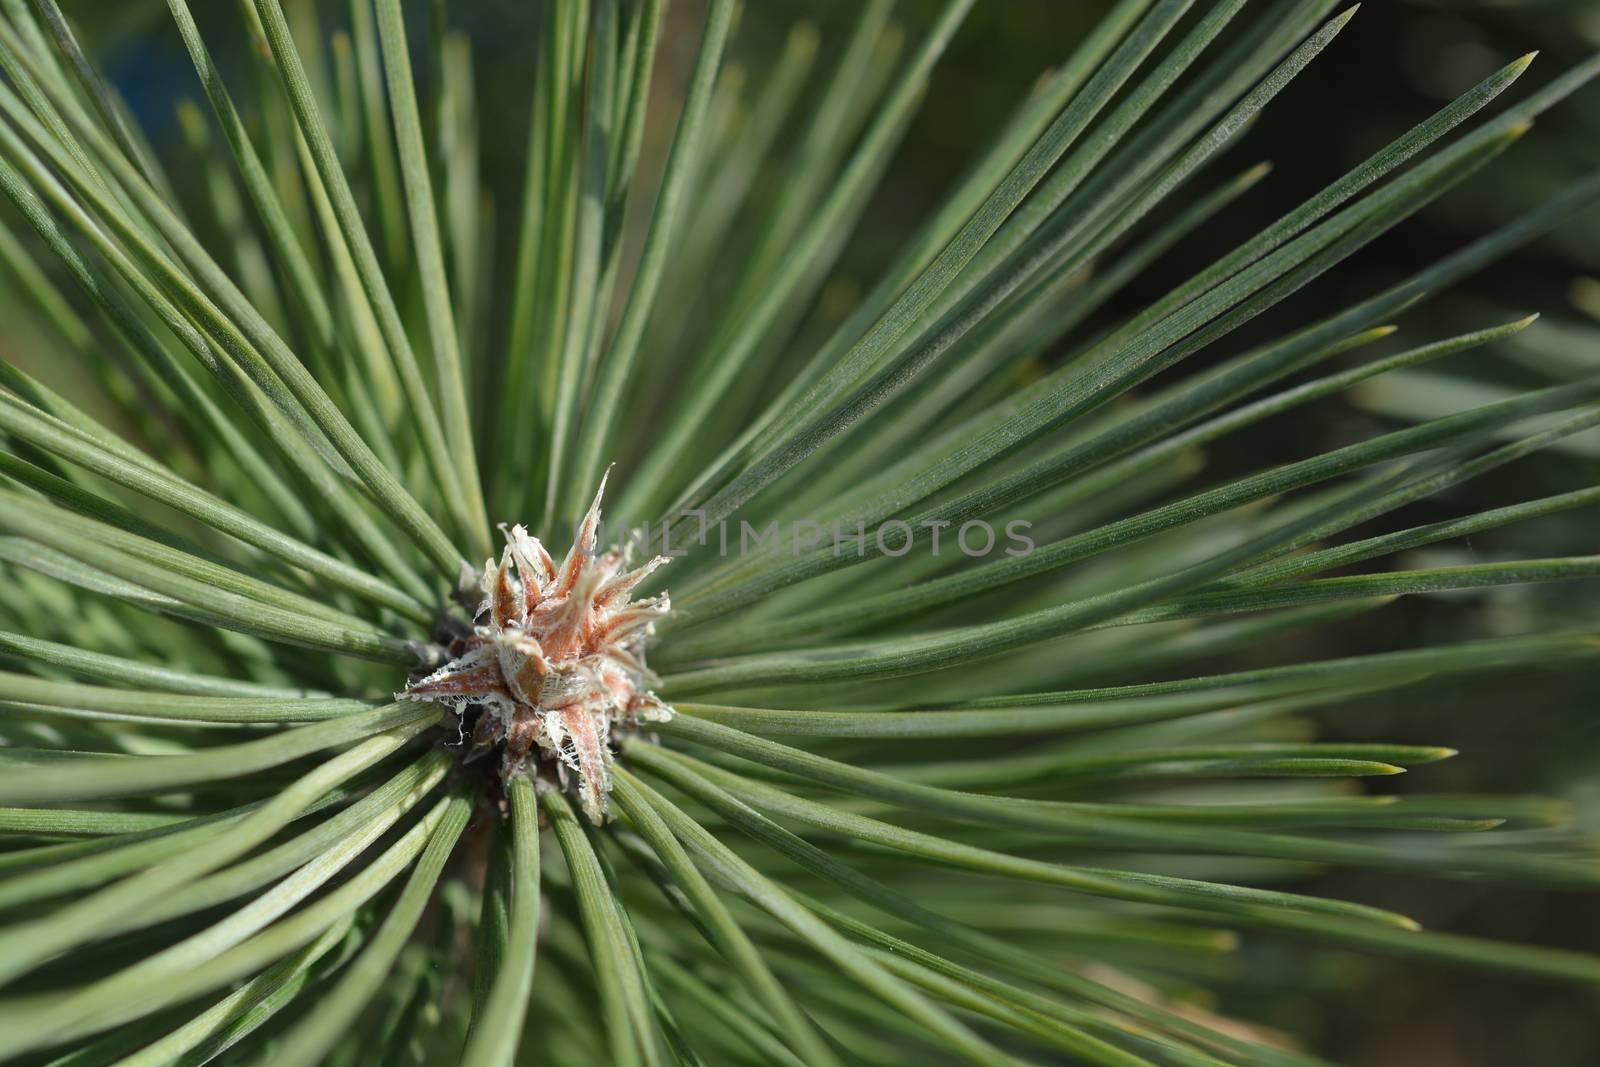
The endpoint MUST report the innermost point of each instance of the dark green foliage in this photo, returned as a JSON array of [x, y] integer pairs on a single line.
[[272, 394]]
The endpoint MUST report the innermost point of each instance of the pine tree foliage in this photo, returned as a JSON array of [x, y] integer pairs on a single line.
[[890, 803]]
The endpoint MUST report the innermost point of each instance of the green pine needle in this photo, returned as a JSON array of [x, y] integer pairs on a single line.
[[283, 781]]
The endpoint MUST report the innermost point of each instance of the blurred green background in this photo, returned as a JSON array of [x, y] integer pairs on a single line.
[[1397, 62]]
